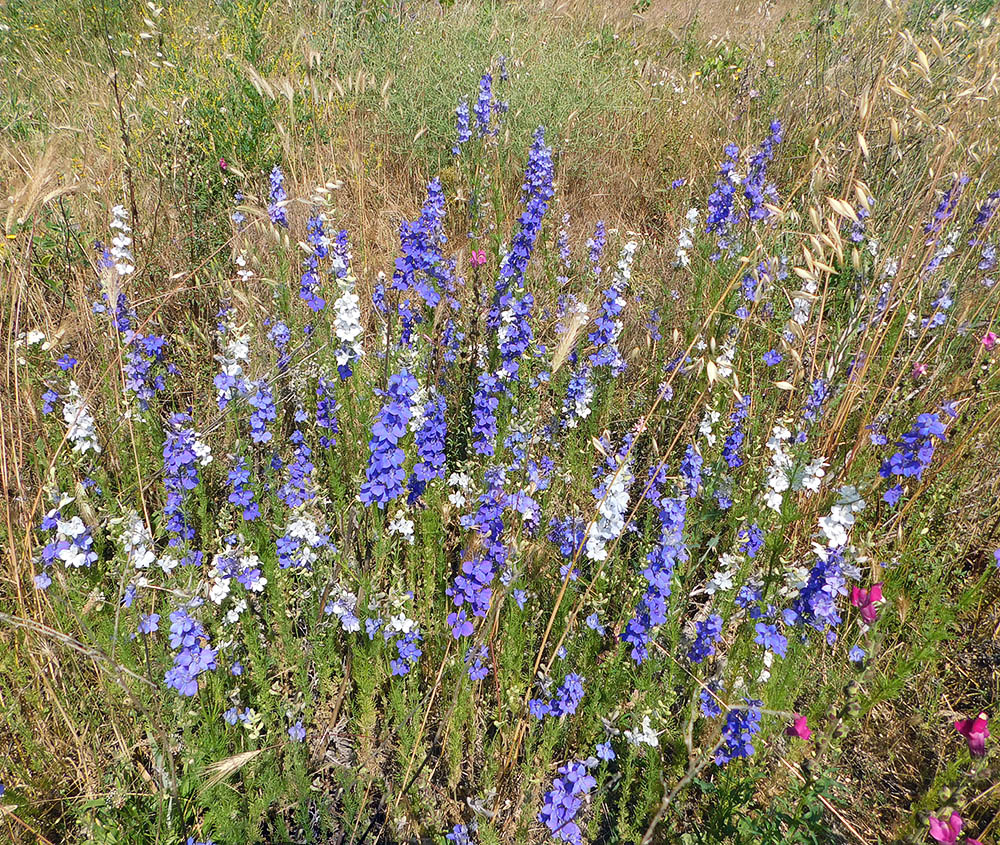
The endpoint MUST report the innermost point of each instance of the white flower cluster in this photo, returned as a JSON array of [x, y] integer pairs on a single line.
[[80, 426], [781, 462], [722, 580], [706, 426], [347, 322], [685, 240], [242, 271], [724, 363], [643, 735], [137, 542], [802, 302], [121, 242], [836, 527], [810, 477], [402, 525], [461, 484], [69, 531], [620, 281], [235, 354], [305, 529], [611, 512]]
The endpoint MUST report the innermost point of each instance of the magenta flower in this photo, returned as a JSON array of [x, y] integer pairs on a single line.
[[865, 600], [946, 832], [478, 257], [799, 728], [919, 370], [990, 340], [976, 733]]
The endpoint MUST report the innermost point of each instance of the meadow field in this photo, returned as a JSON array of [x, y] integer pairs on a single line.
[[499, 422]]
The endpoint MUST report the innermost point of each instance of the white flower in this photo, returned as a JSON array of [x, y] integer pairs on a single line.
[[707, 423], [234, 612], [462, 484], [80, 426], [645, 735], [611, 512], [202, 451], [137, 542], [810, 478], [35, 336], [168, 563], [401, 624], [721, 581], [401, 524], [347, 322], [121, 242]]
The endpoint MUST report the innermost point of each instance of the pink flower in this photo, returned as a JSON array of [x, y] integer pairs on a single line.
[[866, 599], [222, 164], [478, 258], [799, 728], [946, 832], [919, 370], [990, 340], [976, 733]]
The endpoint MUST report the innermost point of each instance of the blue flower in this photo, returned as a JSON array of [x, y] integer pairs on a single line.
[[385, 474], [772, 358], [707, 634], [276, 207], [738, 732], [564, 801]]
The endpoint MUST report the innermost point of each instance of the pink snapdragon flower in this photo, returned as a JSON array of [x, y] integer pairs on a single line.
[[799, 728], [478, 258], [976, 732], [946, 832], [990, 340], [866, 600]]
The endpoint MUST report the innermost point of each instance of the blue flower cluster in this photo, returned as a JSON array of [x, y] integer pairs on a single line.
[[430, 447], [475, 657], [564, 703], [195, 655], [690, 470], [946, 207], [707, 633], [755, 188], [408, 652], [537, 193], [310, 281], [485, 402], [298, 487], [564, 801], [385, 474], [915, 450], [421, 269], [326, 413], [652, 608], [738, 732], [180, 475], [264, 412], [818, 394], [144, 363], [463, 131], [816, 604], [278, 196], [242, 495], [722, 212], [731, 447], [473, 587]]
